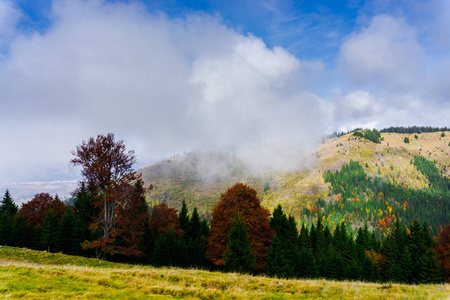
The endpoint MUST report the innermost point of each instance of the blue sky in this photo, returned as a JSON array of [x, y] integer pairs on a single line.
[[170, 77]]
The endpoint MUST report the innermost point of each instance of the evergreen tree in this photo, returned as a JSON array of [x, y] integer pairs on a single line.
[[239, 256], [279, 261], [163, 252], [283, 256], [306, 265], [6, 223], [49, 230], [197, 241], [8, 206], [183, 218], [430, 270], [84, 210], [64, 238], [21, 232]]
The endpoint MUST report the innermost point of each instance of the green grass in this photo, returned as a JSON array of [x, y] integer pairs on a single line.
[[31, 274]]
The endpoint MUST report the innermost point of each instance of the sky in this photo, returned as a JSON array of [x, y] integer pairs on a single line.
[[169, 77]]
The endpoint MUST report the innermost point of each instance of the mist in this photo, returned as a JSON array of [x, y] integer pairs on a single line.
[[163, 85]]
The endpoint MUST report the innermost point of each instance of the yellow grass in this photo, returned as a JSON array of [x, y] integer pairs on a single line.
[[27, 280]]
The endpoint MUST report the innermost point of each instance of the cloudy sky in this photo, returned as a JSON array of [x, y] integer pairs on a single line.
[[170, 77]]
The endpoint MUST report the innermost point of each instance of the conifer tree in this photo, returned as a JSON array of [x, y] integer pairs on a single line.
[[21, 232], [306, 266], [279, 261], [7, 205], [49, 230], [239, 256], [65, 232], [283, 256], [6, 223], [183, 218], [430, 270]]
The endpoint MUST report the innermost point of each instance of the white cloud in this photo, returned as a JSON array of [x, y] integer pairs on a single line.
[[384, 55], [9, 16], [163, 85]]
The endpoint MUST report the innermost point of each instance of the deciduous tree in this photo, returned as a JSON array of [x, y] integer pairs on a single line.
[[108, 169], [35, 210], [243, 199]]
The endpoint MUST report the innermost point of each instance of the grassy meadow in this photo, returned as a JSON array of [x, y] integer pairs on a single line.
[[30, 274]]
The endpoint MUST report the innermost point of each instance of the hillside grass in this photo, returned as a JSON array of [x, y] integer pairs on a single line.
[[29, 274], [177, 179]]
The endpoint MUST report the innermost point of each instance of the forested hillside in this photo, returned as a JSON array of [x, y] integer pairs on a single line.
[[391, 162], [352, 225]]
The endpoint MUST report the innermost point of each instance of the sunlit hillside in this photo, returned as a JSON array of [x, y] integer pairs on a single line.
[[183, 177]]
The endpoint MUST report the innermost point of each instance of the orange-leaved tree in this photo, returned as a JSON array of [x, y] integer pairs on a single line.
[[240, 199]]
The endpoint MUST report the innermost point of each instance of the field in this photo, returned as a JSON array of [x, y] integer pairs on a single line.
[[30, 274]]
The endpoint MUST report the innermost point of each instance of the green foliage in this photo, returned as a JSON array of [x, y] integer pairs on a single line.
[[239, 256], [372, 199], [7, 205], [371, 135], [406, 140], [49, 236]]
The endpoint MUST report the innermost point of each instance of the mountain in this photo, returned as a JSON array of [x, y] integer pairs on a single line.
[[200, 178]]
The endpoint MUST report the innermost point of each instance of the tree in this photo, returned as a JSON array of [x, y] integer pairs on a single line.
[[65, 232], [238, 256], [131, 221], [243, 199], [162, 218], [49, 230], [443, 250], [35, 210], [21, 232], [406, 140], [7, 205], [108, 169], [183, 218], [282, 259]]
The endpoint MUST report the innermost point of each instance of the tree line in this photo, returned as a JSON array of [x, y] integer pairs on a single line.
[[110, 219]]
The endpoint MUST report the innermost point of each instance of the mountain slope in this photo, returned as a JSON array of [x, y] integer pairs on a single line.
[[201, 178]]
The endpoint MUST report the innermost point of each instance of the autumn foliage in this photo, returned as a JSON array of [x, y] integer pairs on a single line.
[[34, 211], [108, 168], [164, 217], [243, 199], [443, 250]]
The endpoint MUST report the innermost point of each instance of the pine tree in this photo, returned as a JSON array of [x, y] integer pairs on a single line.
[[64, 239], [6, 223], [8, 206], [306, 265], [49, 230], [21, 232], [183, 218], [279, 260], [430, 270], [239, 256], [283, 256], [196, 245], [164, 250]]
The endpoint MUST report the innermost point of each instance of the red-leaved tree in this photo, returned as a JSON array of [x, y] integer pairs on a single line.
[[163, 217], [443, 250], [243, 199], [34, 211], [108, 168]]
